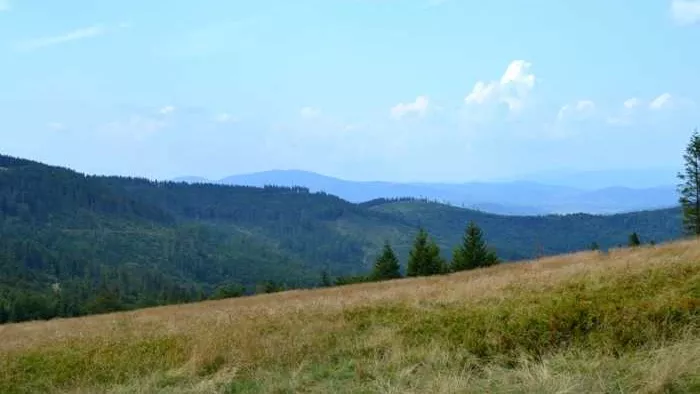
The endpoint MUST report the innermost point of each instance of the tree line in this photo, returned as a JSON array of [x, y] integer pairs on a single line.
[[425, 258]]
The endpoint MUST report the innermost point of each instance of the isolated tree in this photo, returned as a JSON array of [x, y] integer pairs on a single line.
[[424, 258], [689, 188], [473, 252], [595, 246], [633, 240], [387, 265]]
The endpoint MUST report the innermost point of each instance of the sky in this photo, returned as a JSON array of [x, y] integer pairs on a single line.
[[400, 90]]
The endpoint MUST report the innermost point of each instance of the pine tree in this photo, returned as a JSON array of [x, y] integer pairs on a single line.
[[434, 264], [634, 240], [424, 259], [473, 253], [689, 188], [418, 254], [387, 265]]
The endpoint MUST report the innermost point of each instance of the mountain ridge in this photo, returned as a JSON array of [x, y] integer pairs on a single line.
[[515, 197]]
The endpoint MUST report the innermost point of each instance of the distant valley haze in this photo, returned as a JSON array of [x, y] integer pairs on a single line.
[[561, 192]]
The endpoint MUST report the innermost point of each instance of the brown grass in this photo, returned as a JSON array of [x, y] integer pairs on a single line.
[[626, 321]]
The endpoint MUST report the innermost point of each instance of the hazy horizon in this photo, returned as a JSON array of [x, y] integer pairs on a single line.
[[535, 177]]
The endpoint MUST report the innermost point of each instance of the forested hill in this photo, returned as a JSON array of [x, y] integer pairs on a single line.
[[72, 244], [525, 237]]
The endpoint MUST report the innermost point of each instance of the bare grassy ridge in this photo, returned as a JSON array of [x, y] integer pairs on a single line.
[[628, 321]]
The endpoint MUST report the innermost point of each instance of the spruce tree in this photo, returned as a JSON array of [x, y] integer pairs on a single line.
[[417, 254], [325, 279], [434, 264], [473, 252], [424, 259], [634, 240], [387, 265], [689, 188]]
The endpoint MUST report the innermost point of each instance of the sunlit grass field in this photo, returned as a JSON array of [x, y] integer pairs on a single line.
[[626, 321]]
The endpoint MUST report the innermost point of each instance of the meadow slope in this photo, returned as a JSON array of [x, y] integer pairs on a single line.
[[623, 321]]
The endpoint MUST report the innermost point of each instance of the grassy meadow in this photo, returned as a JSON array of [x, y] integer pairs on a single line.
[[627, 321]]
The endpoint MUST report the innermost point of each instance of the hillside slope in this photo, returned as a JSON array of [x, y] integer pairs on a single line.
[[72, 244], [523, 237], [624, 321]]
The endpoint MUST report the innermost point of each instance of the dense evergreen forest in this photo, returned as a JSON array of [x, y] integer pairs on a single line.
[[72, 244]]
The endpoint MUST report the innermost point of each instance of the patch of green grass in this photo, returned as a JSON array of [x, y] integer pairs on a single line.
[[244, 386], [619, 315], [90, 364]]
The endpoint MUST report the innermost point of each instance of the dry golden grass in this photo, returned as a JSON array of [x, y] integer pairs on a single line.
[[626, 321]]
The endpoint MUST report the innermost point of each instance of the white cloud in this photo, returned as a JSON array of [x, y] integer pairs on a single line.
[[310, 112], [79, 34], [685, 12], [512, 89], [5, 5], [481, 93], [582, 109], [632, 107], [419, 106], [663, 101], [625, 116], [168, 109], [632, 103]]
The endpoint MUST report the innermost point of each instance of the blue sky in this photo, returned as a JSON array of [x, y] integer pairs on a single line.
[[405, 90]]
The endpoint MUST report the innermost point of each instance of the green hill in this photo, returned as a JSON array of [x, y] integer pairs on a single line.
[[72, 244], [524, 237]]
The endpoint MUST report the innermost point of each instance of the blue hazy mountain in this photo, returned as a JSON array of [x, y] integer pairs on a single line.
[[591, 180], [511, 197]]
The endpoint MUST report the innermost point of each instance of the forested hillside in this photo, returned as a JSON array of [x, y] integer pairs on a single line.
[[72, 244], [524, 237]]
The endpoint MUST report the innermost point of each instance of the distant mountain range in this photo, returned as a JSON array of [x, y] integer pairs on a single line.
[[601, 179], [507, 197]]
